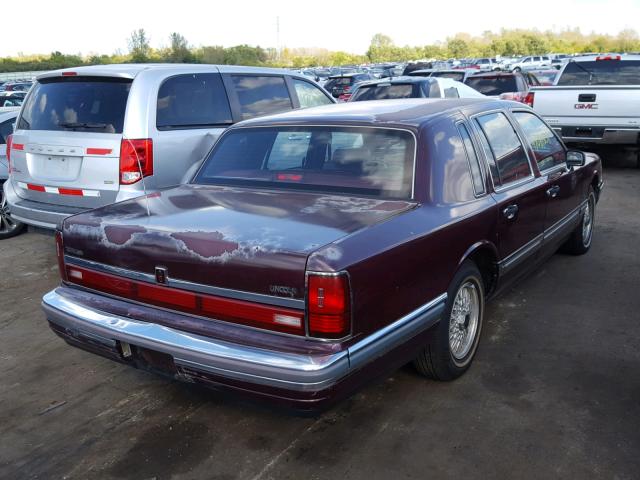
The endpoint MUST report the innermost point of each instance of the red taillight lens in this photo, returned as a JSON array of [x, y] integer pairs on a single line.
[[69, 74], [9, 143], [136, 160], [528, 99], [328, 305], [280, 319], [60, 255]]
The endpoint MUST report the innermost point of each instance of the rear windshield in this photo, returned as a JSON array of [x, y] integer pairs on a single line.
[[383, 91], [458, 76], [601, 72], [350, 160], [85, 104], [493, 85], [344, 81]]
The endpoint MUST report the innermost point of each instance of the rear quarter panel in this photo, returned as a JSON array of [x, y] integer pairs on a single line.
[[403, 263]]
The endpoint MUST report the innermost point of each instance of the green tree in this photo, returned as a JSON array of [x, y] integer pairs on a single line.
[[139, 46], [179, 51]]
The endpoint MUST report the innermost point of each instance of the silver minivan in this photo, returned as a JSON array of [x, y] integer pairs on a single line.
[[91, 136]]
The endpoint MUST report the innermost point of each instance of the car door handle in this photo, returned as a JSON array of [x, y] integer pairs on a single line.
[[553, 191], [510, 212]]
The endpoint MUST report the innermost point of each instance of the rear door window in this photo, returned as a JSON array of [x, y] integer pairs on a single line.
[[192, 101], [508, 152], [6, 129], [309, 95], [261, 95], [86, 104]]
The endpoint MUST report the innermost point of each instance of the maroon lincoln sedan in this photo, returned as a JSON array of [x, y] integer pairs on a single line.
[[316, 249]]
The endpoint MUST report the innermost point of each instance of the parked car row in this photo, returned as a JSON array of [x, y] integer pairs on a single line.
[[230, 225]]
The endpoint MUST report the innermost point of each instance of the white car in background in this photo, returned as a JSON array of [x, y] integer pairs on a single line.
[[529, 63]]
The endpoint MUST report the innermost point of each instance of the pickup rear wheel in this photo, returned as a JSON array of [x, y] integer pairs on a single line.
[[580, 240], [454, 341]]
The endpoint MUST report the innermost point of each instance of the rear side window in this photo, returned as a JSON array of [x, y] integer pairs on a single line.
[[309, 95], [510, 156], [547, 149], [474, 163], [85, 104], [493, 85], [384, 91], [6, 129], [601, 72], [261, 95], [192, 101]]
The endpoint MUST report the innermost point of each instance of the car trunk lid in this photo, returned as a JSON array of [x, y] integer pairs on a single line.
[[227, 238]]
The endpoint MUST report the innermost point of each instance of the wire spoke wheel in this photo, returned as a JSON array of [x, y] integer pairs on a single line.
[[587, 223], [464, 320]]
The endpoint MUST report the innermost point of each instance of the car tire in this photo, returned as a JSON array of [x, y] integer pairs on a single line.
[[580, 240], [517, 69], [453, 342], [8, 226]]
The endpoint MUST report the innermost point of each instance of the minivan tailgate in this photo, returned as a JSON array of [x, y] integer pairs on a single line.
[[80, 169]]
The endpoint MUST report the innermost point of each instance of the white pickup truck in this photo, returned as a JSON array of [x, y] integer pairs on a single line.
[[595, 99]]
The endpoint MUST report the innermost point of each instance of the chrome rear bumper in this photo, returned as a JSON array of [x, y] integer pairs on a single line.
[[248, 364]]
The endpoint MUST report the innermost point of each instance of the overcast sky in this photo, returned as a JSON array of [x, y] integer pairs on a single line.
[[86, 27]]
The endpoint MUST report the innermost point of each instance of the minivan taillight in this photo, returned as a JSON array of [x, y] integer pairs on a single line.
[[136, 160], [528, 99], [328, 305], [9, 143], [60, 255]]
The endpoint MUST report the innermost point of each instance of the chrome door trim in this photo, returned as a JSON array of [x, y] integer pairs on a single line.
[[509, 262]]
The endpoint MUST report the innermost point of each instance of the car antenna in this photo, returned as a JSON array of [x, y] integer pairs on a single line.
[[144, 186]]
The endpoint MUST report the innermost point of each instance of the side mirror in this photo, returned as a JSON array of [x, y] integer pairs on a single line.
[[575, 158]]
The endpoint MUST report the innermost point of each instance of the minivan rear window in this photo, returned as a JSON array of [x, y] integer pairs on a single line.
[[84, 104]]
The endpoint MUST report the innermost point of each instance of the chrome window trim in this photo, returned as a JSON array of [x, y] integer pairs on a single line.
[[186, 285], [287, 125], [480, 163]]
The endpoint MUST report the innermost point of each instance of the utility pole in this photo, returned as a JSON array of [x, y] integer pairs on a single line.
[[278, 38]]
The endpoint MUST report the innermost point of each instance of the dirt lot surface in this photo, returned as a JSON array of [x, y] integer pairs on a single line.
[[554, 391]]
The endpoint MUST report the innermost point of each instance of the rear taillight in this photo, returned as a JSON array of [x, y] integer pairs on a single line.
[[9, 143], [60, 255], [528, 99], [136, 160], [280, 319], [328, 305]]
